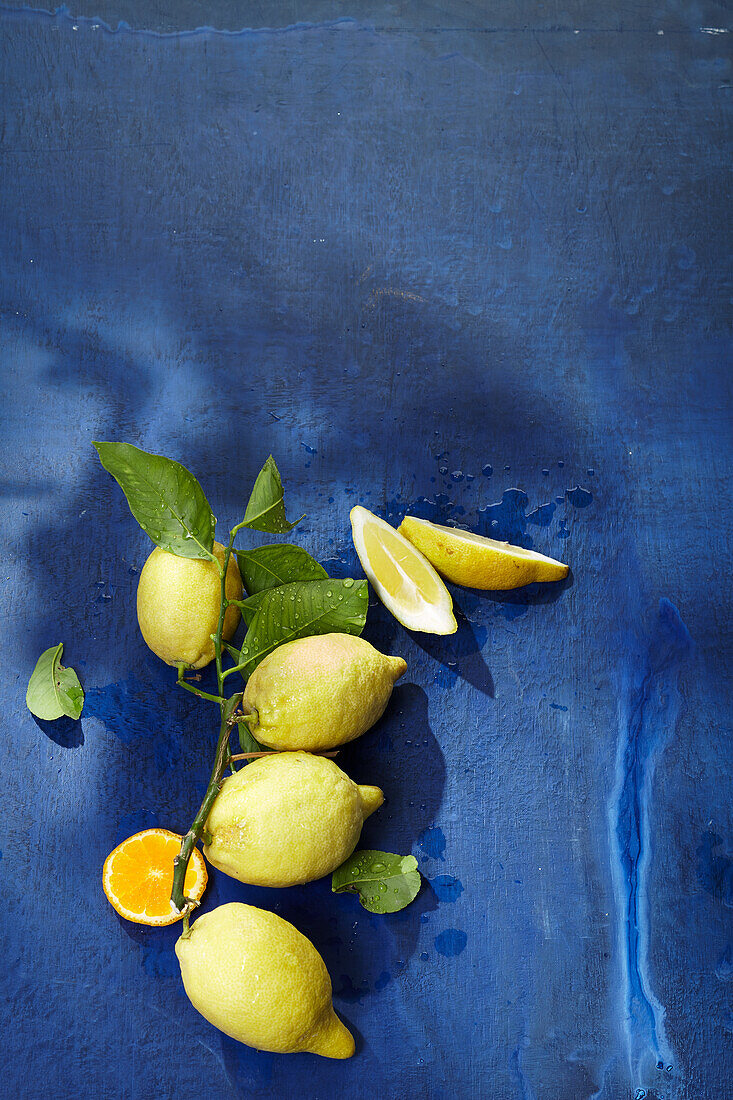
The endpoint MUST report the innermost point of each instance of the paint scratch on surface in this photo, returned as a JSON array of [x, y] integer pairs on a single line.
[[524, 1089], [391, 292], [649, 706], [62, 14]]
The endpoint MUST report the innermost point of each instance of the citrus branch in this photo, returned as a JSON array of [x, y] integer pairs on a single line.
[[221, 760], [194, 690], [223, 753], [272, 752]]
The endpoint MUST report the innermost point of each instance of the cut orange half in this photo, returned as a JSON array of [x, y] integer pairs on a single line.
[[402, 577], [138, 877]]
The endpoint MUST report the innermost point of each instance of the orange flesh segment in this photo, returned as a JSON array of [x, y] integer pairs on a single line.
[[138, 877]]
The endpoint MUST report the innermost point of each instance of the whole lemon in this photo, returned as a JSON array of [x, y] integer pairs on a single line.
[[255, 977], [287, 819], [178, 605], [319, 692]]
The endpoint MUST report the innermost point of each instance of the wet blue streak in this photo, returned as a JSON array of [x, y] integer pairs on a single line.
[[649, 718]]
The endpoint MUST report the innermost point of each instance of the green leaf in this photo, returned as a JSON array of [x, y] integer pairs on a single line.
[[301, 609], [249, 607], [247, 742], [265, 509], [384, 882], [275, 564], [54, 691], [165, 499]]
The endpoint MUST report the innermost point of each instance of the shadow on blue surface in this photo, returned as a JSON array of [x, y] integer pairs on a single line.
[[131, 711], [402, 756], [514, 603], [460, 653], [65, 732], [158, 957], [715, 869]]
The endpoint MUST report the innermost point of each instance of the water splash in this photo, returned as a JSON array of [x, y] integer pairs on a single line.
[[578, 497], [432, 842], [446, 887], [649, 706], [509, 520], [451, 942]]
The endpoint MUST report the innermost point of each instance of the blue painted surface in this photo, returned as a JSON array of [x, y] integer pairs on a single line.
[[471, 268]]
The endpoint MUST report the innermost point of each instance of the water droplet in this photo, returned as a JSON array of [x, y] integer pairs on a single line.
[[348, 583], [442, 469], [377, 867], [329, 593], [487, 470], [382, 887]]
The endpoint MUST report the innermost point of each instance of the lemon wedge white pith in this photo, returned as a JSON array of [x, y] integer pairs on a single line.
[[478, 562], [401, 575]]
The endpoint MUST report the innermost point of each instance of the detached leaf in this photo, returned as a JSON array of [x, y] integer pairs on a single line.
[[54, 691], [299, 610], [275, 564], [265, 509], [164, 497], [384, 882]]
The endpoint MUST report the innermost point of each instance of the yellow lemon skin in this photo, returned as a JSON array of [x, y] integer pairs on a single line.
[[318, 693], [287, 819], [478, 562], [178, 605], [255, 977]]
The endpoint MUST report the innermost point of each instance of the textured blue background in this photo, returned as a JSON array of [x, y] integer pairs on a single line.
[[464, 262]]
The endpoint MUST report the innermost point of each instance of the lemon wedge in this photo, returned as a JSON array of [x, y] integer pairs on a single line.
[[404, 580], [478, 562]]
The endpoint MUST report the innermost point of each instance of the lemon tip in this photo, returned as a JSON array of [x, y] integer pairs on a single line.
[[371, 799], [334, 1040]]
